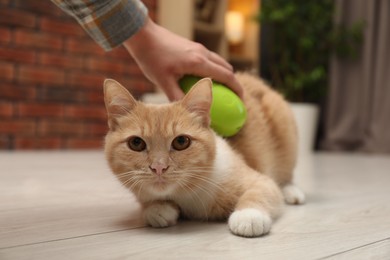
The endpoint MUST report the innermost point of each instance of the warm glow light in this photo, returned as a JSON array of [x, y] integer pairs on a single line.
[[234, 26]]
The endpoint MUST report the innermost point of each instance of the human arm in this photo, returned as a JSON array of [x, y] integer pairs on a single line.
[[163, 56], [108, 22]]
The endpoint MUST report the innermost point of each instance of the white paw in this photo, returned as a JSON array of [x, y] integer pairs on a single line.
[[249, 222], [161, 215], [293, 195]]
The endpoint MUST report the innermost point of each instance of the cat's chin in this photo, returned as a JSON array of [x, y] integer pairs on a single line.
[[161, 187]]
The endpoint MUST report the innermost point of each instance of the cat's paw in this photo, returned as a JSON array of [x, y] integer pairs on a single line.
[[293, 195], [161, 215], [249, 222]]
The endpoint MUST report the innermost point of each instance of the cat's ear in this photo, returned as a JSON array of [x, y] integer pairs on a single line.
[[118, 101], [199, 99]]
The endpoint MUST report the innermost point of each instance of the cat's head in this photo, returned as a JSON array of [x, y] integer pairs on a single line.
[[160, 149]]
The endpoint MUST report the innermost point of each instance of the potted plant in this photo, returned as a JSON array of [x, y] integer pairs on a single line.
[[297, 41]]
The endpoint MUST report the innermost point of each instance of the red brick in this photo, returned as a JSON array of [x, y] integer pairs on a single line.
[[38, 143], [57, 26], [62, 56], [44, 75], [129, 67], [136, 85], [61, 60], [9, 91], [17, 55], [60, 128], [5, 35], [40, 110], [83, 46], [17, 127], [75, 143], [96, 96], [84, 112], [61, 94], [89, 80], [6, 142], [39, 40], [40, 7], [15, 17], [129, 83], [121, 53], [104, 65], [134, 70], [7, 71], [4, 2], [6, 109], [93, 129]]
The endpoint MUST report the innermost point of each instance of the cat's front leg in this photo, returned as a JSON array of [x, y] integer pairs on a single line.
[[256, 208], [250, 222], [161, 214]]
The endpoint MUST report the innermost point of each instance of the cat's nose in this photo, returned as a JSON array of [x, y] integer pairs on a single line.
[[158, 168]]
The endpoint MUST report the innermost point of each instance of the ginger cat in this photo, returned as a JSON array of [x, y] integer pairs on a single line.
[[172, 161]]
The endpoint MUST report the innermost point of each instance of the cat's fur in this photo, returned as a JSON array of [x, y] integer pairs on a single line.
[[242, 179]]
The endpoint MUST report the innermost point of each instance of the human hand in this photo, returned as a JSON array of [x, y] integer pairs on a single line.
[[165, 57]]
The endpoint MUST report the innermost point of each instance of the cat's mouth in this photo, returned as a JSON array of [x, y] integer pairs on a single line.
[[160, 181], [160, 184]]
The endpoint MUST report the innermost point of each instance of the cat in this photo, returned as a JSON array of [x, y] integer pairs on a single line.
[[177, 166]]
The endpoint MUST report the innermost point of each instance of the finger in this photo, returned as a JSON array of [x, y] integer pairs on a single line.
[[220, 74], [219, 60], [172, 89]]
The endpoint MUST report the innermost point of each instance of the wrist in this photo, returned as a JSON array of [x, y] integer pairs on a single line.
[[141, 39]]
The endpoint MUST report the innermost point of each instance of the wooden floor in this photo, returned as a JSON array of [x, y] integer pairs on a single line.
[[67, 205]]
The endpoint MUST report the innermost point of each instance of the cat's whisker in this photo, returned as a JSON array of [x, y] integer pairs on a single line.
[[126, 174], [136, 172], [128, 181], [140, 189], [192, 191], [135, 184], [210, 193], [200, 168], [203, 179], [205, 189], [208, 181], [139, 184], [129, 178]]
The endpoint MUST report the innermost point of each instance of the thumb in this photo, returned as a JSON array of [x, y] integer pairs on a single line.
[[172, 90]]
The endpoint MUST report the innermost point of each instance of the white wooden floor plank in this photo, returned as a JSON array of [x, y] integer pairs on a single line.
[[63, 210], [375, 250], [59, 195]]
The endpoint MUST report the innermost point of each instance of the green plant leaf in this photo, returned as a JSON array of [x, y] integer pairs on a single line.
[[300, 44]]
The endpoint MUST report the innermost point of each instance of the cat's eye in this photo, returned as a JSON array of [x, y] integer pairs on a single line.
[[181, 142], [136, 144]]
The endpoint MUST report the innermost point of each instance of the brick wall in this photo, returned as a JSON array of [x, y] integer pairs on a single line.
[[51, 75]]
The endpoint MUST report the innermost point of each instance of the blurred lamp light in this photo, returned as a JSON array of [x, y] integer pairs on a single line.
[[234, 26]]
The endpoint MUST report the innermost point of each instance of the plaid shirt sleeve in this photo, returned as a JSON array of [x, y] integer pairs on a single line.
[[108, 22]]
